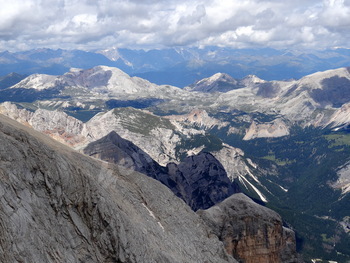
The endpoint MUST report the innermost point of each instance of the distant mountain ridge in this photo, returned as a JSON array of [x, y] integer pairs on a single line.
[[10, 80], [179, 66], [102, 88]]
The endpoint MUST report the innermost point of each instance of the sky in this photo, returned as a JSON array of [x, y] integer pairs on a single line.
[[148, 24]]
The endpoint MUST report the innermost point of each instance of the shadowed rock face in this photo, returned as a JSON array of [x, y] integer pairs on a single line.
[[114, 149], [250, 232], [268, 90], [200, 180], [335, 91], [57, 205]]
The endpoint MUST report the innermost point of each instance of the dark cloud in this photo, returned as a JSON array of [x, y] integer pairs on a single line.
[[95, 24]]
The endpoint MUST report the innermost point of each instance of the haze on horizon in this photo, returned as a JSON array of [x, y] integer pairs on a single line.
[[100, 24]]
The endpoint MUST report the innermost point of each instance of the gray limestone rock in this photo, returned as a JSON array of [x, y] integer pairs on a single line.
[[57, 205]]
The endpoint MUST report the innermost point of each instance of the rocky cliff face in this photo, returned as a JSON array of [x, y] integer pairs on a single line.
[[59, 125], [56, 124], [114, 149], [276, 128], [250, 232], [14, 112], [232, 159], [57, 205], [343, 181], [155, 135], [200, 180]]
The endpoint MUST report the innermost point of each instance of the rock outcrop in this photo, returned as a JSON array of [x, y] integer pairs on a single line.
[[198, 118], [341, 117], [16, 113], [276, 128], [63, 128], [57, 205], [200, 180], [233, 161], [343, 181], [114, 149], [250, 232]]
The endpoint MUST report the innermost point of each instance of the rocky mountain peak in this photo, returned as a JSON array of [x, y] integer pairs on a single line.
[[219, 82], [37, 82], [252, 79], [329, 88], [219, 77], [318, 77], [103, 77]]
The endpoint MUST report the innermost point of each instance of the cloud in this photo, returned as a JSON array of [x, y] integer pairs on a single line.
[[97, 24]]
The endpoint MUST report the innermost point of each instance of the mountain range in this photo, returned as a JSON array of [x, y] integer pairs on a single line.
[[284, 143], [179, 66], [73, 208]]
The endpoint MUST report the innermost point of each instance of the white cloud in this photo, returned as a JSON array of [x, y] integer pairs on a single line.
[[238, 23], [336, 14]]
